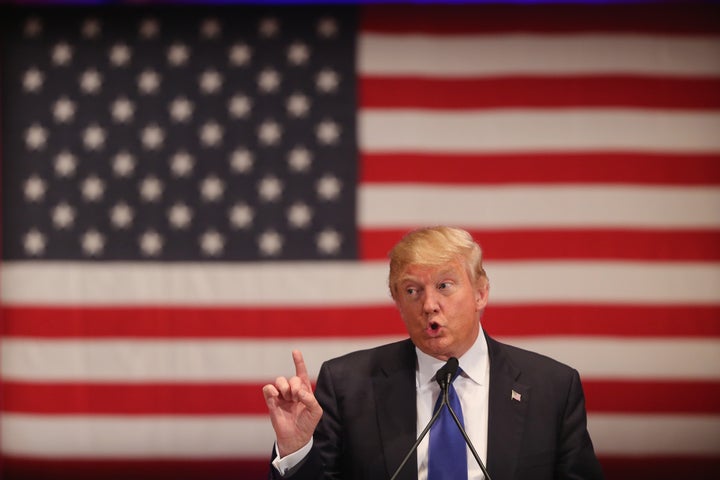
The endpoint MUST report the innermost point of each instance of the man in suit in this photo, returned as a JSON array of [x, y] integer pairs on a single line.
[[525, 413]]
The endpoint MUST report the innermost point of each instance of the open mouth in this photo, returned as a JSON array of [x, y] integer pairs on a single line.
[[433, 329]]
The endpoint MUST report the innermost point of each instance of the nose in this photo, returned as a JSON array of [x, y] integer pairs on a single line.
[[431, 302]]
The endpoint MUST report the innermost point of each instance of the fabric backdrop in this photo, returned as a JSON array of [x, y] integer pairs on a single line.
[[188, 193]]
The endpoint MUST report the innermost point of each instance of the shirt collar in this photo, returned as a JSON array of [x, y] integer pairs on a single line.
[[474, 363]]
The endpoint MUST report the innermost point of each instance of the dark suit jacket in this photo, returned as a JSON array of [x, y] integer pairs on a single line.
[[369, 419]]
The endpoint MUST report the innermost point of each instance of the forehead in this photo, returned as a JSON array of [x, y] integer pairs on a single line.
[[416, 272]]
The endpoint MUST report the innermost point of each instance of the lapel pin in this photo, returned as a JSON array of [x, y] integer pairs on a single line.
[[515, 396]]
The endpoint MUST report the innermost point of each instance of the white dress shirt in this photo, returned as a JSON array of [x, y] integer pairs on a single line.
[[473, 390]]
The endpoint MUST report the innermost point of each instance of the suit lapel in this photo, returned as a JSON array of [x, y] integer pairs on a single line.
[[394, 385], [506, 411]]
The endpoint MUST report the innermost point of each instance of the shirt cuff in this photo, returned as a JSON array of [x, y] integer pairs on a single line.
[[288, 462]]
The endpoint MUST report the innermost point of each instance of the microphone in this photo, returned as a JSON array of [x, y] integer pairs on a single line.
[[448, 372], [443, 377]]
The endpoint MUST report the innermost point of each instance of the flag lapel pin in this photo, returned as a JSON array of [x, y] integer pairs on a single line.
[[515, 396]]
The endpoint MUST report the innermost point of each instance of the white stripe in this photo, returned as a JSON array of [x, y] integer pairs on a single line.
[[137, 437], [569, 206], [465, 56], [628, 435], [260, 361], [622, 358], [167, 437], [348, 284], [514, 130]]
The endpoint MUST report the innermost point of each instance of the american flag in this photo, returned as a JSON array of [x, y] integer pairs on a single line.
[[189, 193]]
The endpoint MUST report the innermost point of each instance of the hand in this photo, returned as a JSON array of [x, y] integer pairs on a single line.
[[294, 410]]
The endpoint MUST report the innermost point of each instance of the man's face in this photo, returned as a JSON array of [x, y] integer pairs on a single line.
[[441, 308]]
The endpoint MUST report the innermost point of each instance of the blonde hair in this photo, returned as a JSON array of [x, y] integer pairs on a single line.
[[435, 246]]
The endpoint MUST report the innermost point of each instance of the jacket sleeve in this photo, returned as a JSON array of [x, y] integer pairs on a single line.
[[576, 458]]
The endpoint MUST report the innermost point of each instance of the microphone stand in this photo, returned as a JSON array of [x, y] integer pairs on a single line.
[[465, 435], [422, 435]]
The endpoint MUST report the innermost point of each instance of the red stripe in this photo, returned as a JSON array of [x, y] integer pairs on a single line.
[[607, 244], [537, 92], [19, 468], [133, 398], [607, 396], [489, 19], [24, 468], [530, 167], [652, 397], [661, 468], [501, 320]]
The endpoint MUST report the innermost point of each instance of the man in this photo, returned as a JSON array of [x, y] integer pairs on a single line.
[[524, 413]]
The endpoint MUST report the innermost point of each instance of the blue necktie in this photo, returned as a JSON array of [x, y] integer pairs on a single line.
[[448, 453]]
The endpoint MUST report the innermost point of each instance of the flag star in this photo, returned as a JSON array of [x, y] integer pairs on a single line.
[[210, 28], [122, 110], [149, 28], [327, 27], [33, 27], [34, 242], [63, 110], [178, 54], [63, 215], [65, 163], [181, 163], [121, 215], [181, 109], [151, 189], [269, 27], [35, 137], [299, 159], [92, 188], [299, 215], [123, 164], [268, 80], [241, 160], [61, 54], [35, 188], [93, 243], [270, 188], [211, 134], [240, 106], [91, 28], [152, 137], [241, 216], [298, 105], [327, 132], [32, 80], [210, 81], [329, 242], [151, 243], [327, 80], [180, 216], [298, 53], [269, 132], [90, 81], [148, 81], [94, 137], [120, 55], [239, 55], [328, 187], [212, 243], [270, 243], [211, 188]]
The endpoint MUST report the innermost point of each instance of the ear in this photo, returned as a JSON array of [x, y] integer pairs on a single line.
[[482, 291]]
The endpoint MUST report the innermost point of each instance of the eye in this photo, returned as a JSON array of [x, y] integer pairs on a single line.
[[443, 285], [411, 291]]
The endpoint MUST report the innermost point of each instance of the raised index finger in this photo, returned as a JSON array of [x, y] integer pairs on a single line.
[[300, 368]]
